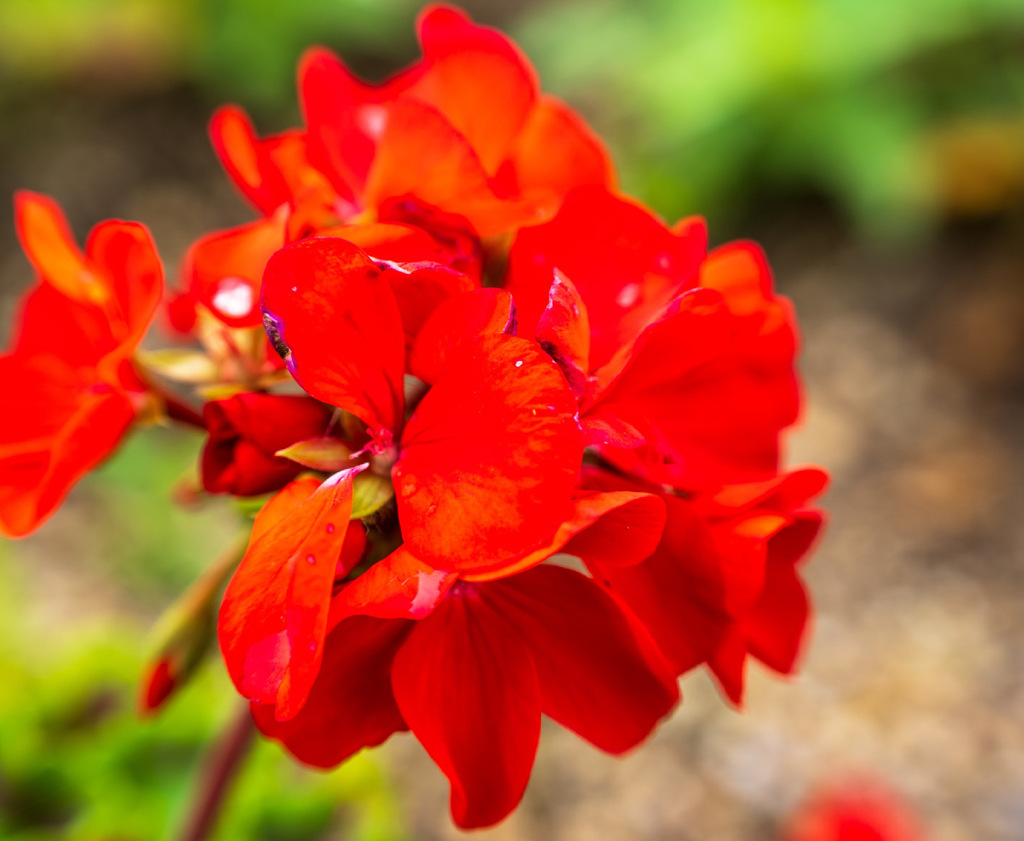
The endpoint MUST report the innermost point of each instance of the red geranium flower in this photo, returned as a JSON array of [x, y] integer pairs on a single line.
[[484, 466], [70, 389], [611, 392]]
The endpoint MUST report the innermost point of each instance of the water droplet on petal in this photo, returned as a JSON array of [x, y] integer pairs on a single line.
[[310, 558], [519, 363], [312, 646], [330, 528]]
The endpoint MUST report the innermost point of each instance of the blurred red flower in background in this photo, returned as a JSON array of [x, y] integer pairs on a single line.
[[70, 388], [854, 810]]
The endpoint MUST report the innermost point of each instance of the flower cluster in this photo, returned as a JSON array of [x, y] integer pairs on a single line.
[[522, 438]]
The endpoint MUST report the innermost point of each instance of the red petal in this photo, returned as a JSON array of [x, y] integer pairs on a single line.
[[785, 492], [459, 320], [332, 315], [106, 297], [564, 332], [719, 558], [345, 117], [478, 79], [693, 230], [72, 333], [555, 151], [351, 705], [223, 269], [625, 263], [392, 241], [465, 683], [741, 273], [419, 289], [398, 587], [458, 239], [124, 252], [55, 429], [251, 162], [777, 626], [47, 242], [489, 457], [728, 664], [273, 619], [421, 155], [599, 428], [620, 528], [679, 592], [715, 389], [595, 675], [627, 533]]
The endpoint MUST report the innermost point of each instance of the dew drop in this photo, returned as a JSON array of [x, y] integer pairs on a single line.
[[310, 558], [519, 363], [312, 646], [330, 528]]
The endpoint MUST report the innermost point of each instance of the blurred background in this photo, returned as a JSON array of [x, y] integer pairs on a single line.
[[874, 147]]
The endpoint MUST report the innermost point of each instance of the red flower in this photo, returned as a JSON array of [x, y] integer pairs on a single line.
[[245, 432], [70, 390], [483, 468]]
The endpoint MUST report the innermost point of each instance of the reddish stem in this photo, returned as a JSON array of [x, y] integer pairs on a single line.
[[215, 777]]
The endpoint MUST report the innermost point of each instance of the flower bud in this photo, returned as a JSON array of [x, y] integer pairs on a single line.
[[245, 433]]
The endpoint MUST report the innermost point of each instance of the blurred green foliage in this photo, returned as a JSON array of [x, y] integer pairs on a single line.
[[76, 762], [239, 49], [709, 103]]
